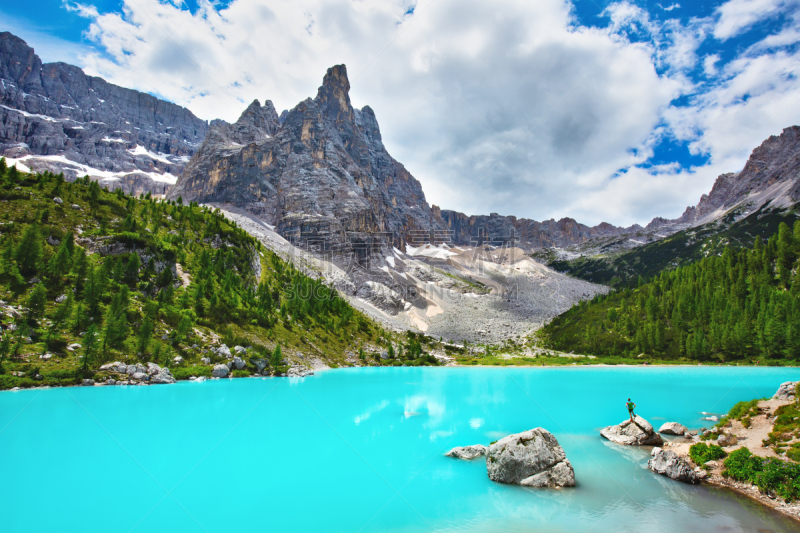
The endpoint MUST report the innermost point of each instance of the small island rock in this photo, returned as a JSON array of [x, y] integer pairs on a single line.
[[467, 452], [668, 463], [636, 433], [672, 428], [532, 458]]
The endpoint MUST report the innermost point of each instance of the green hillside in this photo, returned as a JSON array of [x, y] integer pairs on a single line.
[[140, 280], [681, 248], [741, 304]]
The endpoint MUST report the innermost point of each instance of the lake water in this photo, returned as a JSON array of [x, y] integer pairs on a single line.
[[361, 450]]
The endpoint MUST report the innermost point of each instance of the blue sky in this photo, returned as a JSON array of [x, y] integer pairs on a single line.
[[599, 110]]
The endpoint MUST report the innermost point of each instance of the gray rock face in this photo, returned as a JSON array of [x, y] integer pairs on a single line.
[[163, 376], [668, 463], [239, 363], [672, 428], [224, 351], [532, 458], [467, 452], [786, 391], [322, 176], [139, 376], [153, 369], [220, 371], [60, 119], [772, 169], [637, 433], [88, 383]]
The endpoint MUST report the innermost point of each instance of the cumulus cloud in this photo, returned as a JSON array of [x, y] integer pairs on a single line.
[[509, 106]]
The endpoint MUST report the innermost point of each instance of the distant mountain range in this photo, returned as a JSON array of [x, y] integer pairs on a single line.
[[54, 117], [319, 173]]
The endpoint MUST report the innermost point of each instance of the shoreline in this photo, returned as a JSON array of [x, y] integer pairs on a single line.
[[750, 438]]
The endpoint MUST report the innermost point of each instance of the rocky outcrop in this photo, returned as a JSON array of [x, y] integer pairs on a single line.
[[668, 463], [163, 376], [54, 117], [467, 452], [787, 391], [672, 428], [771, 173], [638, 432], [532, 458]]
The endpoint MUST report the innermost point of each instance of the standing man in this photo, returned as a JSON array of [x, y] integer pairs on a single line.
[[631, 406]]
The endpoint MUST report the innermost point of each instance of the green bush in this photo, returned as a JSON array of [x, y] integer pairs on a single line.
[[768, 474], [739, 411], [241, 373], [701, 453], [189, 371]]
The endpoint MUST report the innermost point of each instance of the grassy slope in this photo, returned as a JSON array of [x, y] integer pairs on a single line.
[[684, 247], [228, 312]]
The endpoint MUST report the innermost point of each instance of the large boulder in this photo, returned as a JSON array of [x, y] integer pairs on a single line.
[[636, 433], [220, 371], [224, 351], [672, 428], [727, 439], [668, 463], [153, 369], [467, 452], [239, 363], [532, 458], [162, 377], [786, 391], [116, 366]]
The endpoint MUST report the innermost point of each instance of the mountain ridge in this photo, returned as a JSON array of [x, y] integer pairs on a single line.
[[54, 117]]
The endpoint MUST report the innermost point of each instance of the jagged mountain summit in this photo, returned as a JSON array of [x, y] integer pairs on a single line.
[[54, 117], [322, 176]]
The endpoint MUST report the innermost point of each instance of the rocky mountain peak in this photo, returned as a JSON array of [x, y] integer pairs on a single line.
[[53, 117], [257, 121], [333, 97]]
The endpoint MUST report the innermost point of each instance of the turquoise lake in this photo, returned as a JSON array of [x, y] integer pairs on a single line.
[[361, 450]]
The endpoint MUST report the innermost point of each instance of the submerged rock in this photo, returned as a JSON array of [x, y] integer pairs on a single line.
[[672, 428], [668, 463], [532, 458], [636, 433], [467, 452]]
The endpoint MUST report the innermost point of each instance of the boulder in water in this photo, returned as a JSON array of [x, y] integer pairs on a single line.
[[467, 452], [162, 377], [532, 458], [672, 428], [668, 463], [638, 432]]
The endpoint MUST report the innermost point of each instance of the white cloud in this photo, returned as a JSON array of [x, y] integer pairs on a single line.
[[736, 16], [508, 106]]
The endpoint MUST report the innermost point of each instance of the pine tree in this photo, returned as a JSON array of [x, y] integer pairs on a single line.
[[277, 359], [30, 250], [144, 334], [90, 346], [37, 300]]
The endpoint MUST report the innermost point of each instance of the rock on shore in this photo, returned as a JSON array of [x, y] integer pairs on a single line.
[[636, 433], [668, 463], [672, 428], [467, 452], [786, 391], [532, 458]]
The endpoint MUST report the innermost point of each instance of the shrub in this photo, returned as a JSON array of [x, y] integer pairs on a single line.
[[189, 371], [739, 411], [769, 475], [241, 373], [701, 453]]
